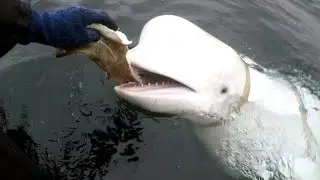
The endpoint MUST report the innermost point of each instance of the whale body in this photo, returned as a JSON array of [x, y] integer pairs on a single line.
[[257, 126]]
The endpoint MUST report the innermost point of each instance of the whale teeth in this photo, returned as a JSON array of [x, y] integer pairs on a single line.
[[150, 83]]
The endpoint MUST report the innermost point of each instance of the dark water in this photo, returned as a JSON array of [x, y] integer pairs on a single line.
[[64, 114]]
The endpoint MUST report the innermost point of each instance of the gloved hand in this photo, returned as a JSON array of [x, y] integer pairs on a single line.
[[67, 27]]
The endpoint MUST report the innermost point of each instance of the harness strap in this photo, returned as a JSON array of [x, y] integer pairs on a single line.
[[247, 85]]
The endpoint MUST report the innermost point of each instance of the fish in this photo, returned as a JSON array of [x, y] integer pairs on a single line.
[[109, 53]]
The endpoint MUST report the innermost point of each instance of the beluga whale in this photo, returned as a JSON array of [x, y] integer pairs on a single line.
[[255, 125]]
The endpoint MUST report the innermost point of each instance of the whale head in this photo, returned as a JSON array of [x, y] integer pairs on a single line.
[[183, 70]]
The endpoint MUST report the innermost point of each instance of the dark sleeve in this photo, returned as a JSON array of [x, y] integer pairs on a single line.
[[15, 164], [14, 19]]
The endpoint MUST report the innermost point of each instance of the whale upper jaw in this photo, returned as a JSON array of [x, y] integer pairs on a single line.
[[183, 68]]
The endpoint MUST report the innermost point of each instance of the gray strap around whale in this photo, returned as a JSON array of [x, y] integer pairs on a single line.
[[247, 86], [307, 130]]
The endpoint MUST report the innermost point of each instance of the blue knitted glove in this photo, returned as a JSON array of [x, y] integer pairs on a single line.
[[67, 27]]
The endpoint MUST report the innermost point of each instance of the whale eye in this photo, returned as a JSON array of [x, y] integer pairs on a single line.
[[224, 90]]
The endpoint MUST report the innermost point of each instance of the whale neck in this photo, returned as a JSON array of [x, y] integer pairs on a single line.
[[268, 91]]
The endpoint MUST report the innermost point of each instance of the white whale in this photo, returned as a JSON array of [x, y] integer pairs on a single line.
[[257, 126]]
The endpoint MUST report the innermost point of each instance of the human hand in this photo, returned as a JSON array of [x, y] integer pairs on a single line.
[[67, 27]]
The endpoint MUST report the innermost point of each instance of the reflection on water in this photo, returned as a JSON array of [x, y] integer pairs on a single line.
[[70, 136], [95, 151], [90, 155]]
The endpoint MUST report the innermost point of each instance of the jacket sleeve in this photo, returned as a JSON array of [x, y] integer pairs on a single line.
[[15, 164], [14, 19]]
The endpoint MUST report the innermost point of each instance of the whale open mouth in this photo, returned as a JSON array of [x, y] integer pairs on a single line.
[[150, 81]]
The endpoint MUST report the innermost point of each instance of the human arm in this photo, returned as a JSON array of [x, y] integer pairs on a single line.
[[61, 28], [15, 164], [14, 19], [66, 28]]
